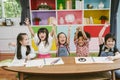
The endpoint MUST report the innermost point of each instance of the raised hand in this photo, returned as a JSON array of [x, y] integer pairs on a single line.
[[27, 22], [80, 28], [106, 24]]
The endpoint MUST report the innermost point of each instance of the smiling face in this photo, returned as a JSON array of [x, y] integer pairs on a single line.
[[81, 41], [110, 43], [62, 38], [42, 36], [25, 40]]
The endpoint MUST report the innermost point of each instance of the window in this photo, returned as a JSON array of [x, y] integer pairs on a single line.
[[0, 10], [10, 8]]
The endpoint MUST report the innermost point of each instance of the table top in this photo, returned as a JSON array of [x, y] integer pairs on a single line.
[[69, 67]]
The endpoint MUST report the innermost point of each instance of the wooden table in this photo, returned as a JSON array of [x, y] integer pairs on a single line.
[[69, 67]]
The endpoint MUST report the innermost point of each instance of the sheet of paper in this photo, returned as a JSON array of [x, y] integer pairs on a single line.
[[20, 62], [92, 60], [5, 62], [83, 60], [34, 63], [102, 60], [53, 61]]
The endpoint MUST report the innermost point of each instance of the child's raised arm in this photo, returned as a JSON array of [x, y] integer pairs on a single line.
[[53, 23], [29, 27], [117, 56], [68, 39], [53, 30], [54, 34], [101, 33], [76, 34], [83, 32]]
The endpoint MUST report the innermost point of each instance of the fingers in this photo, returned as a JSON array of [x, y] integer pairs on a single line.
[[27, 21]]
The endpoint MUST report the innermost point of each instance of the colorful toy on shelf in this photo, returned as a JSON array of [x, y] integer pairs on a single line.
[[44, 6], [61, 6], [36, 20], [101, 5], [89, 6], [52, 20], [79, 4], [68, 4], [103, 19]]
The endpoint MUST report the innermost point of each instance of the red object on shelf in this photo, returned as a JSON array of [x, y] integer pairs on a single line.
[[102, 21], [36, 22]]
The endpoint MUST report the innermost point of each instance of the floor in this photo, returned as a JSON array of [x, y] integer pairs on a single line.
[[7, 75]]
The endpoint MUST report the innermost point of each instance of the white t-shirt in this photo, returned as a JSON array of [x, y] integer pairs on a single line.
[[42, 49], [23, 53]]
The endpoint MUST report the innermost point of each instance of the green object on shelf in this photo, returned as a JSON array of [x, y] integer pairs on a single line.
[[61, 6]]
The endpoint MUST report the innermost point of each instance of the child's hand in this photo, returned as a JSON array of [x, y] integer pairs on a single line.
[[110, 57], [12, 44], [77, 29], [53, 21], [27, 22], [80, 28], [28, 57], [106, 24], [69, 27]]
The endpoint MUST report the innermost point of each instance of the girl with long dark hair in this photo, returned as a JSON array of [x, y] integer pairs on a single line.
[[23, 49], [43, 40]]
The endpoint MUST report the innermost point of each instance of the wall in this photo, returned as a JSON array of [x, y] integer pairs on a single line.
[[118, 27]]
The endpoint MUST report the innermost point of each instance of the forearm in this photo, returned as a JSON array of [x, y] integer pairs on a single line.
[[69, 30], [84, 34], [117, 56], [31, 30], [54, 33], [103, 29], [76, 35]]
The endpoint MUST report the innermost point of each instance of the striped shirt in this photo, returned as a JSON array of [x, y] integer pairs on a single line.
[[82, 51]]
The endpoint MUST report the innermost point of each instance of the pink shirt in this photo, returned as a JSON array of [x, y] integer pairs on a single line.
[[82, 51]]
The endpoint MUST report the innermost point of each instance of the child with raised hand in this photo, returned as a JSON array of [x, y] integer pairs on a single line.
[[43, 40], [23, 49], [62, 43], [81, 41], [107, 47]]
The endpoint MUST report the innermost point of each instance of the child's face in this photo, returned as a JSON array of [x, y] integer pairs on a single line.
[[42, 36], [110, 43], [25, 40], [62, 39], [81, 41]]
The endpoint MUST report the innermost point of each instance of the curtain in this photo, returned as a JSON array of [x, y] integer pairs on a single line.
[[25, 12], [113, 20]]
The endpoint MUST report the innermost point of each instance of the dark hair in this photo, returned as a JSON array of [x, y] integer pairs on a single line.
[[109, 35], [59, 36], [81, 35], [20, 38], [43, 30]]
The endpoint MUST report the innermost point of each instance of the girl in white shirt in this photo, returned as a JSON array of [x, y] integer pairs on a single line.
[[43, 40], [23, 49]]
